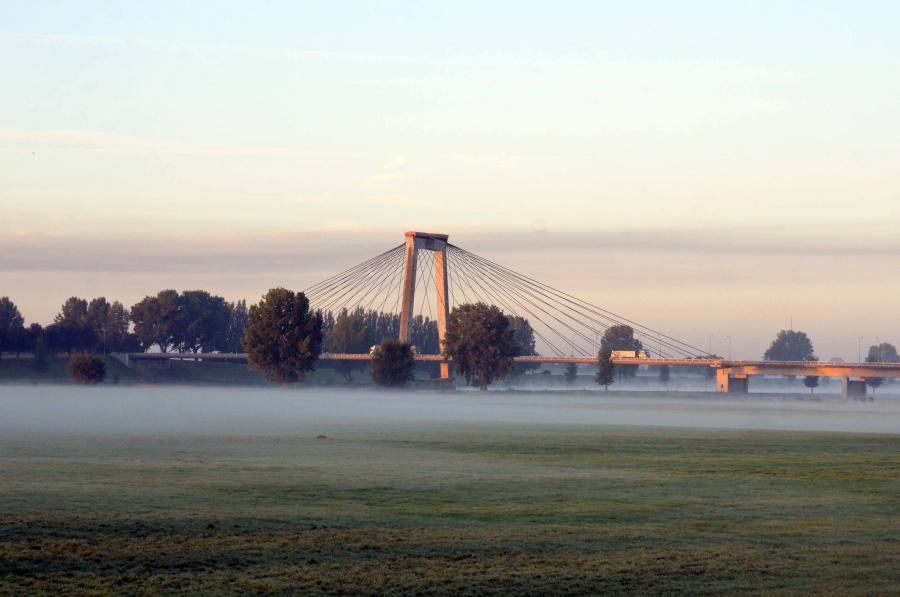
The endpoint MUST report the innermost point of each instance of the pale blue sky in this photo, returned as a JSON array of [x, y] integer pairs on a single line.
[[239, 123]]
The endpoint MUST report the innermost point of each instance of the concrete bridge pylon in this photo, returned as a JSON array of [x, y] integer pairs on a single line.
[[437, 243]]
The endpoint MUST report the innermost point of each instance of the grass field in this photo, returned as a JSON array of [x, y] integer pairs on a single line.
[[453, 510]]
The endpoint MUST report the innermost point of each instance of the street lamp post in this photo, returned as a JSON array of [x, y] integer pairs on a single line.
[[729, 347], [859, 349], [709, 350]]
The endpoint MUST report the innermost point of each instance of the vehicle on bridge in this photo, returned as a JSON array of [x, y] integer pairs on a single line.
[[629, 354]]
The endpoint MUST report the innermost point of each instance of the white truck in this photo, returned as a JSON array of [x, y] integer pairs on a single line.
[[630, 354]]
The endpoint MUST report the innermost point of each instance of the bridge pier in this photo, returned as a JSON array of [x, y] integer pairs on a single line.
[[852, 388], [732, 383], [437, 243]]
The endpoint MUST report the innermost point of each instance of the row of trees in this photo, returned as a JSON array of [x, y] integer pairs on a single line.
[[794, 345], [284, 339], [193, 320]]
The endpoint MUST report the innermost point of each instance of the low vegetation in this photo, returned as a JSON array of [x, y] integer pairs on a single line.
[[448, 512], [86, 368], [393, 364]]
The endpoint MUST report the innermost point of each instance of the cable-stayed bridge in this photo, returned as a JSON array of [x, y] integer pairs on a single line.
[[426, 276]]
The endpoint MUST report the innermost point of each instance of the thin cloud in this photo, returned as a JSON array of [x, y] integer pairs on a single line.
[[279, 53], [394, 169], [328, 252], [103, 141]]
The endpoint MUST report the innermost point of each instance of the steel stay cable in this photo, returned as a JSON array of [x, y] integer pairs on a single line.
[[476, 278], [388, 272], [387, 292], [560, 307], [315, 288], [532, 291], [460, 283], [341, 296], [427, 285], [512, 311], [535, 315], [574, 330], [377, 288], [598, 310], [331, 295], [363, 284], [591, 315], [584, 306], [325, 292]]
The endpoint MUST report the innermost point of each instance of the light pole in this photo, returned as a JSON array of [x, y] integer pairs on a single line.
[[729, 347], [859, 349], [877, 350], [709, 350]]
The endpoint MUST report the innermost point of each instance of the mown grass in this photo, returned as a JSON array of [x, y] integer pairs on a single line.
[[451, 511]]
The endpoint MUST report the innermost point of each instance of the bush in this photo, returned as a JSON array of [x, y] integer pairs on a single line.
[[393, 364], [86, 369]]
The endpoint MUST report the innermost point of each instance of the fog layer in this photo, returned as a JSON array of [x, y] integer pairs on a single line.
[[28, 410]]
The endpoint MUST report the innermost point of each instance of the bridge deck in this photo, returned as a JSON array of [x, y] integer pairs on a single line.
[[819, 368]]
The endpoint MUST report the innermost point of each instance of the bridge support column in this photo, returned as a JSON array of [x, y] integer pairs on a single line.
[[732, 383], [437, 243], [443, 304], [852, 388], [739, 384], [408, 298], [722, 381]]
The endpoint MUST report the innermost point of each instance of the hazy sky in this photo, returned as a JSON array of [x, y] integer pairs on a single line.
[[704, 167]]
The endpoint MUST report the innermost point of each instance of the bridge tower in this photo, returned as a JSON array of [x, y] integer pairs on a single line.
[[437, 243]]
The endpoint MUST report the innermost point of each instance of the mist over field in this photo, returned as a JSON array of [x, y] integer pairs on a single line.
[[275, 411]]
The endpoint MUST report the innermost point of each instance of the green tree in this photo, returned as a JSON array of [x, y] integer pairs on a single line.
[[790, 345], [85, 368], [423, 334], [664, 375], [201, 317], [156, 320], [621, 337], [393, 364], [283, 339], [523, 338], [570, 373], [32, 333], [71, 329], [348, 334], [881, 353], [41, 361], [73, 311], [237, 324], [97, 319], [109, 323], [605, 369], [480, 343], [12, 326], [811, 382]]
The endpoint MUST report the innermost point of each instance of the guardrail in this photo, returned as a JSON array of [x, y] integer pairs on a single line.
[[653, 362]]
